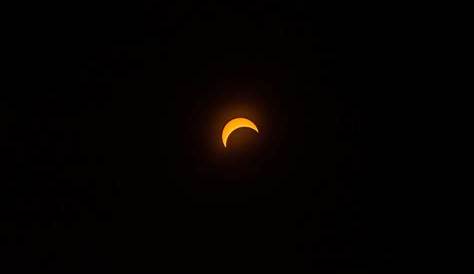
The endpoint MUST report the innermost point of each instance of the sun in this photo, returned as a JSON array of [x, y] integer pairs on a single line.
[[234, 124]]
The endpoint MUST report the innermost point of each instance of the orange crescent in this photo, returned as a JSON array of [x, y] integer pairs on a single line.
[[236, 124]]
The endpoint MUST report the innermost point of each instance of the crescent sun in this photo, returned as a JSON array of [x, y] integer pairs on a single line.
[[236, 124]]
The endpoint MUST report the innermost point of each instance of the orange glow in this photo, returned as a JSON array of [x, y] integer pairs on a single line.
[[236, 124]]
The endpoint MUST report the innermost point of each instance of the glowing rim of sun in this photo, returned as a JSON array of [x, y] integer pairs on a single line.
[[235, 124]]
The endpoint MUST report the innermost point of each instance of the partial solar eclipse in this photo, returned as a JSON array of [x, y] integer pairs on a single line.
[[236, 124]]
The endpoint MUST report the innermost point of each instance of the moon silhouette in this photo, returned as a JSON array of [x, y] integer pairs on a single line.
[[236, 124]]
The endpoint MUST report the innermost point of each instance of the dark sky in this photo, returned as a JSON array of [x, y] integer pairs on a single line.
[[117, 163]]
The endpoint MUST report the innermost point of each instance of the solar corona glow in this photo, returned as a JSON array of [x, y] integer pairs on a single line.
[[235, 124]]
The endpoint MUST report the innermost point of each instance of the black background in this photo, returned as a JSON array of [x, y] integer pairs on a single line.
[[115, 156]]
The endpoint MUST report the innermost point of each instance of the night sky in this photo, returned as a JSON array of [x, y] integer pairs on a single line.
[[116, 157]]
